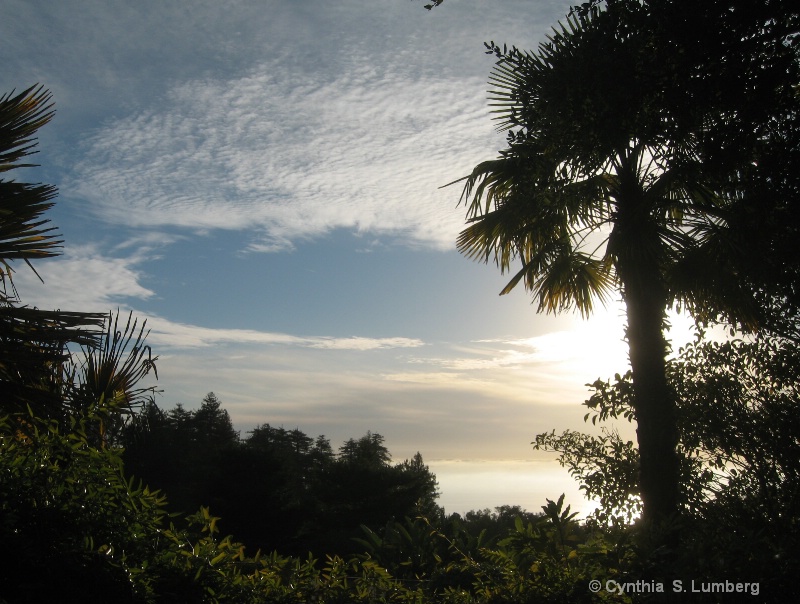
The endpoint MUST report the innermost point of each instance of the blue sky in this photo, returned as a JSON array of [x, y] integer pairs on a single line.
[[260, 181]]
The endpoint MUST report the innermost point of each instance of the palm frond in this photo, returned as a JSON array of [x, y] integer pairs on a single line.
[[110, 373], [23, 234], [572, 279], [488, 182], [20, 117], [33, 350]]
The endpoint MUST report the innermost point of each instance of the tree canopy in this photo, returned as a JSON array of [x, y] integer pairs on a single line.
[[276, 488]]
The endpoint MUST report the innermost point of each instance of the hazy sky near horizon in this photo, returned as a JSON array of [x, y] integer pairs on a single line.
[[260, 182]]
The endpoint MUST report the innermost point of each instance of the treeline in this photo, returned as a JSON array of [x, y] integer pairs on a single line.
[[275, 489]]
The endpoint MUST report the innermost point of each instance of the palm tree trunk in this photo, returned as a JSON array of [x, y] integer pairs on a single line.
[[637, 249], [653, 400]]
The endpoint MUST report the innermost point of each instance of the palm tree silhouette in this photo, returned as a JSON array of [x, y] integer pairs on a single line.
[[603, 190]]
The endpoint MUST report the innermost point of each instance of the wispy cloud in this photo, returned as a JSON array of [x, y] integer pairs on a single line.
[[144, 242], [291, 156], [171, 334], [83, 279]]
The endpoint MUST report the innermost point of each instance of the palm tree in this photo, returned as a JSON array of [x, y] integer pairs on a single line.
[[32, 341], [106, 380], [604, 189]]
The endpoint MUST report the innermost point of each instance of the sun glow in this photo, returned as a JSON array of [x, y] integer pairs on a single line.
[[597, 346]]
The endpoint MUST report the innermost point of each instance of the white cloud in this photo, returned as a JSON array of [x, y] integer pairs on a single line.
[[84, 280], [171, 334], [359, 343], [146, 241], [291, 156]]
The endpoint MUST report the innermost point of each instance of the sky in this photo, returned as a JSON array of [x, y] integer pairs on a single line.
[[261, 182]]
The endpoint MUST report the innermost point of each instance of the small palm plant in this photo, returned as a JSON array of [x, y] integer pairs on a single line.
[[107, 381]]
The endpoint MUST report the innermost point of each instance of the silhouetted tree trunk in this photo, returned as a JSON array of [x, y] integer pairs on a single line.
[[636, 245]]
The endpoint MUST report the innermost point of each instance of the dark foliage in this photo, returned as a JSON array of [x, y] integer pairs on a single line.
[[740, 464], [276, 489]]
